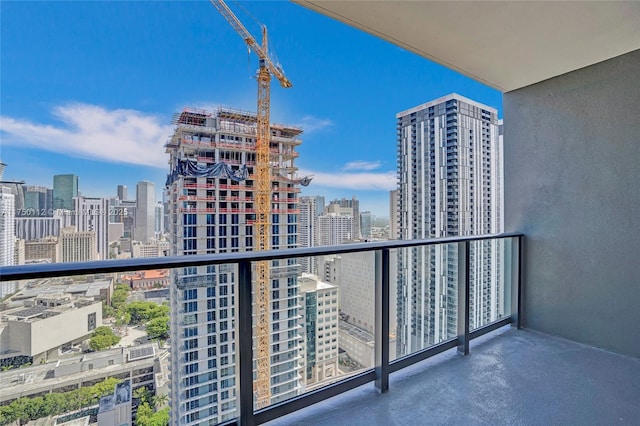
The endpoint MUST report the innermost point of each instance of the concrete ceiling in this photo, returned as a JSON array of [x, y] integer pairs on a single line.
[[506, 45]]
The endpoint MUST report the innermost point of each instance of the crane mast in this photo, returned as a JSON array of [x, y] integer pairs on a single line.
[[262, 384]]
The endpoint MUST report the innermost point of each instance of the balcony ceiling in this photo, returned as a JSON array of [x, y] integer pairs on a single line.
[[506, 45]]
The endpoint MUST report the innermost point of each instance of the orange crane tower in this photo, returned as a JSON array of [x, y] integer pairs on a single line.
[[262, 385]]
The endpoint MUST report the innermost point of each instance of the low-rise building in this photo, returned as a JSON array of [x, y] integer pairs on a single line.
[[146, 280], [47, 329], [143, 366]]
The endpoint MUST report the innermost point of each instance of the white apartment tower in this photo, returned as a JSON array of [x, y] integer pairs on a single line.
[[92, 215], [210, 208], [145, 228], [350, 207], [7, 226], [334, 229], [450, 184], [320, 315]]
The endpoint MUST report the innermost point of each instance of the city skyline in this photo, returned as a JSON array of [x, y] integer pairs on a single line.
[[349, 146]]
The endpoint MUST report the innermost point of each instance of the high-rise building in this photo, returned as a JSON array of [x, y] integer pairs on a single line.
[[334, 229], [36, 202], [354, 207], [33, 228], [211, 194], [307, 231], [450, 184], [92, 215], [145, 211], [320, 318], [7, 226], [19, 252], [65, 188], [77, 246], [394, 218], [122, 192], [320, 204], [159, 225], [365, 224]]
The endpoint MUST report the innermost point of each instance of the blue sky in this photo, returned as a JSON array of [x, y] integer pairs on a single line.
[[90, 87]]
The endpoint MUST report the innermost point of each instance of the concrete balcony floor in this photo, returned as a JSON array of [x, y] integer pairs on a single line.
[[511, 377]]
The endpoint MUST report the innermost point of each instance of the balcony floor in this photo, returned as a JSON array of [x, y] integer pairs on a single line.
[[511, 377]]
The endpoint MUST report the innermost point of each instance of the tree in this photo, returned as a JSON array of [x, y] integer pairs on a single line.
[[107, 311], [146, 417], [143, 394], [158, 328], [160, 400], [142, 312], [51, 404], [102, 338], [123, 317]]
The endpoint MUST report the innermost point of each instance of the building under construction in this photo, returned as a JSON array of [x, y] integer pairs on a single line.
[[211, 190]]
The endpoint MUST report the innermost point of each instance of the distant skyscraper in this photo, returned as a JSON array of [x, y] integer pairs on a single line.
[[145, 211], [365, 224], [320, 204], [122, 192], [77, 246], [65, 188], [394, 218], [34, 228], [334, 229], [35, 202], [354, 205], [159, 226], [92, 214], [449, 160], [7, 224]]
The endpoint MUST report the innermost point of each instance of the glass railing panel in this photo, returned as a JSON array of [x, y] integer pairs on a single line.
[[426, 301], [118, 346], [204, 365], [322, 322], [489, 281]]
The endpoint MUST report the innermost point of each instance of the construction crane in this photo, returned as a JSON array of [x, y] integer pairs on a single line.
[[262, 384]]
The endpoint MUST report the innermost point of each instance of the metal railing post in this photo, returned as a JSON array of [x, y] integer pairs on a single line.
[[517, 257], [382, 320], [463, 296], [244, 336]]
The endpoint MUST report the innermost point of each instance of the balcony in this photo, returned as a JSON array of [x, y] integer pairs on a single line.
[[511, 376]]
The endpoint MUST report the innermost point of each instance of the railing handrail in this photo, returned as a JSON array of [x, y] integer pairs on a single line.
[[52, 270]]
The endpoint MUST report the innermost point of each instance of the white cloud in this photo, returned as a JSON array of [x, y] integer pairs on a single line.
[[382, 181], [362, 165], [90, 131], [311, 124]]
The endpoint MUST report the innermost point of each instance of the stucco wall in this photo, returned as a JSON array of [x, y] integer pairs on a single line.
[[572, 185]]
